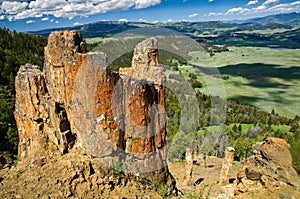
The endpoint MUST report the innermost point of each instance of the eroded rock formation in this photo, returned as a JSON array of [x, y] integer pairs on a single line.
[[269, 168], [77, 102]]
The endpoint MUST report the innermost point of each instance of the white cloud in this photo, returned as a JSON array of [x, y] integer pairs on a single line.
[[2, 17], [238, 10], [146, 3], [214, 14], [123, 20], [288, 7], [56, 22], [13, 7], [170, 20], [30, 21], [193, 15], [266, 8], [69, 9], [45, 19], [260, 8], [76, 23], [211, 1], [267, 2], [252, 2]]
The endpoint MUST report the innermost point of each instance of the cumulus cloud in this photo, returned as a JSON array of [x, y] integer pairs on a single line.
[[146, 3], [259, 8], [289, 7], [30, 21], [68, 9], [252, 2], [267, 2], [193, 15], [211, 1], [238, 10], [267, 8], [211, 14], [13, 7], [123, 20]]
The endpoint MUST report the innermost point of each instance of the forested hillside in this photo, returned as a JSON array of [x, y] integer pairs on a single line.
[[15, 49]]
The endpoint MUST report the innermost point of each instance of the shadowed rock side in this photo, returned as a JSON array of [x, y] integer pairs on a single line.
[[77, 102]]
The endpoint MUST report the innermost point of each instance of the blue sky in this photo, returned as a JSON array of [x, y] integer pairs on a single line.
[[26, 15]]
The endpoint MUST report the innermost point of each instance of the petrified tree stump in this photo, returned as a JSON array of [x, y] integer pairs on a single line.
[[189, 158], [226, 166]]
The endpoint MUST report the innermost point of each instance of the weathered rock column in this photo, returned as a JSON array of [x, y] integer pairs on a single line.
[[145, 121], [189, 158], [30, 111], [77, 102], [226, 166]]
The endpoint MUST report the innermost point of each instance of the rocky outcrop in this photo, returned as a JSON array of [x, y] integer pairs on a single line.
[[77, 102], [269, 168]]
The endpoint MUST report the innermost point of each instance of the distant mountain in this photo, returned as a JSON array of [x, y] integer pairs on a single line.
[[290, 19], [110, 28], [280, 30], [97, 29]]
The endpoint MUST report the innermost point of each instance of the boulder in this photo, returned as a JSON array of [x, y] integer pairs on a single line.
[[269, 168]]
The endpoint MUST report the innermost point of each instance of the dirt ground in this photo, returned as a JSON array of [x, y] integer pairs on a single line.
[[205, 179]]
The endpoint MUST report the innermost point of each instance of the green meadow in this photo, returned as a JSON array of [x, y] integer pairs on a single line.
[[262, 77]]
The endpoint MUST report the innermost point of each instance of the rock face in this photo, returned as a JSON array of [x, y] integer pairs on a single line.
[[77, 102], [270, 167]]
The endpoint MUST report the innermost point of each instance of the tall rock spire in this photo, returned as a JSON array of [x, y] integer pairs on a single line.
[[77, 102]]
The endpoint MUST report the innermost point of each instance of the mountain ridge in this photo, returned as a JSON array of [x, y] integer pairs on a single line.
[[109, 28]]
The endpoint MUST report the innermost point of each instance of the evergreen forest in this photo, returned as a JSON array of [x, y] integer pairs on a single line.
[[16, 49]]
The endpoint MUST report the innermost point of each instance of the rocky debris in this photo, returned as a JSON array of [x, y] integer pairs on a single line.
[[189, 159], [74, 175], [268, 170], [226, 166], [76, 102]]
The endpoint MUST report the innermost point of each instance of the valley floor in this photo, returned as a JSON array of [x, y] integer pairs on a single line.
[[262, 77]]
